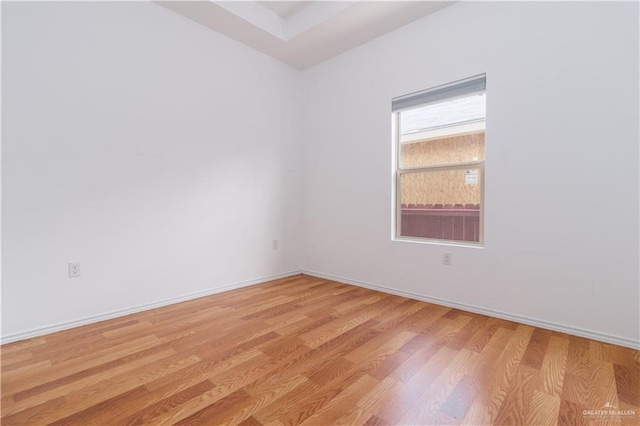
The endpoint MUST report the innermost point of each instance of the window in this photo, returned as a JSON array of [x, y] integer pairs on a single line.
[[440, 146]]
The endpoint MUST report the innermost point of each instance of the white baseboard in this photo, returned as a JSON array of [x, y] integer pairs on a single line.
[[145, 307], [621, 341]]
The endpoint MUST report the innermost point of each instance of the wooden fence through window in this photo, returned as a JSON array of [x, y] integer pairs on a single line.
[[441, 221]]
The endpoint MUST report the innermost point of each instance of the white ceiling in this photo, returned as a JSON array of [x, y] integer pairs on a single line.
[[285, 9], [303, 33]]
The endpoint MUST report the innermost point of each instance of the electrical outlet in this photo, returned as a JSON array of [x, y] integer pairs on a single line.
[[447, 259], [74, 269], [274, 244]]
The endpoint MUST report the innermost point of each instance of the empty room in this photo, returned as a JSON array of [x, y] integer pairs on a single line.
[[320, 213]]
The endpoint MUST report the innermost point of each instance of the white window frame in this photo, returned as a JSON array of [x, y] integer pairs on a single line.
[[461, 88]]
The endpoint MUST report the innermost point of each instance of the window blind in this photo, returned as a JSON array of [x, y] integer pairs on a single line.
[[466, 87]]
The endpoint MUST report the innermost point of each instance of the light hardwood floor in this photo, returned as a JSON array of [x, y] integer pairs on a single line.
[[302, 350]]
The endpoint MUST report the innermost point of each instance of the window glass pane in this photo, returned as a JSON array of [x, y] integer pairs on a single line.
[[447, 150], [444, 114], [443, 133], [441, 204]]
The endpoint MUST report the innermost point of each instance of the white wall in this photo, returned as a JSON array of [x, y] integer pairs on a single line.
[[562, 135], [159, 154]]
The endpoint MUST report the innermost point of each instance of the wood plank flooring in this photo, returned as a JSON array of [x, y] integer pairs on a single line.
[[303, 350]]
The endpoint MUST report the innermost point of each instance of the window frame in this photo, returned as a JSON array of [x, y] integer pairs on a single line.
[[399, 171]]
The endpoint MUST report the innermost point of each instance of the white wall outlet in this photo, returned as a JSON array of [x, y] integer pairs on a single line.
[[74, 269], [447, 259], [274, 244]]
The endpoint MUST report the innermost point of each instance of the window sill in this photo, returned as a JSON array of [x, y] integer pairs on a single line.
[[434, 242]]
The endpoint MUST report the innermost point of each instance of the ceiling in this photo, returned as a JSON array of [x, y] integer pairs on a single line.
[[303, 33], [285, 9]]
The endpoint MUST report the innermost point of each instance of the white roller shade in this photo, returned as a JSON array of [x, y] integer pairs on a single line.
[[466, 87]]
